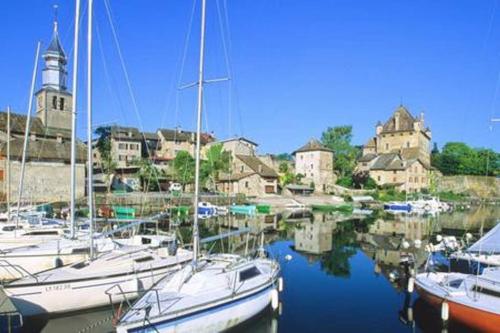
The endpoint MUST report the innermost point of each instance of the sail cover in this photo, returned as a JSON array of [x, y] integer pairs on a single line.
[[489, 243]]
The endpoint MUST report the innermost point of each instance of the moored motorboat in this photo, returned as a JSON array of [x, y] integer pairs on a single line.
[[398, 207]]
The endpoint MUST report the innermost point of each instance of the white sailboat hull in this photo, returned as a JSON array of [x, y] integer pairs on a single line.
[[212, 319], [76, 295], [10, 269]]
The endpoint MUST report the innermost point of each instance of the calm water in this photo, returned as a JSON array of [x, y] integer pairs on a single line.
[[339, 276]]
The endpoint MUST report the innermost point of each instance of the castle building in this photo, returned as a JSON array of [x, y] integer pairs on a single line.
[[47, 169], [399, 153], [314, 162]]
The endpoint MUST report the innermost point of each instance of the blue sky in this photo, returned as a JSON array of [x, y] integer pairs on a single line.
[[297, 66]]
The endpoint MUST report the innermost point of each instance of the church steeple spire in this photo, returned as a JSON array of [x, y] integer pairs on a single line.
[[54, 73]]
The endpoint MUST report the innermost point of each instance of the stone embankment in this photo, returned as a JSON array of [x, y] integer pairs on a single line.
[[476, 186]]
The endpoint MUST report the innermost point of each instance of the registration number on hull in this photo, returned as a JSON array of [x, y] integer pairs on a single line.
[[58, 287]]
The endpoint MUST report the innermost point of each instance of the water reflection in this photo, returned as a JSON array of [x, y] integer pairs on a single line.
[[347, 274]]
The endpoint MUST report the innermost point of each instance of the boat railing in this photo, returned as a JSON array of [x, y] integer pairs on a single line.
[[117, 290], [17, 268]]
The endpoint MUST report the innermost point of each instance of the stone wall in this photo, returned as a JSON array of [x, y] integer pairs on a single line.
[[43, 181], [478, 186]]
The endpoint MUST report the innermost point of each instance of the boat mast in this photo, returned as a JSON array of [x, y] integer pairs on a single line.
[[196, 236], [72, 211], [26, 134], [90, 190], [7, 168]]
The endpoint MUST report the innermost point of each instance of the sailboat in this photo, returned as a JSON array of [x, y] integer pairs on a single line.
[[485, 252], [214, 292], [86, 284], [37, 244], [473, 300]]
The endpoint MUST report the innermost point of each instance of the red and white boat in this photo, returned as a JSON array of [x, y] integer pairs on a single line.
[[473, 300]]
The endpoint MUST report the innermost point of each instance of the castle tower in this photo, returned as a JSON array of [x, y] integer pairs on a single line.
[[53, 100]]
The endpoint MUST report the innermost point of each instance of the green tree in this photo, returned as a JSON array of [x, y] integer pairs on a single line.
[[284, 157], [148, 174], [103, 145], [283, 167], [217, 160], [339, 139], [184, 166], [457, 158]]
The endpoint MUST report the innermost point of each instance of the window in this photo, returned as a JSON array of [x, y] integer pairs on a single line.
[[122, 146], [394, 179], [365, 164], [122, 157], [144, 259], [387, 146], [378, 178], [246, 184], [394, 172], [249, 273], [408, 144], [411, 180], [312, 166], [242, 168], [61, 103], [54, 102], [1, 175]]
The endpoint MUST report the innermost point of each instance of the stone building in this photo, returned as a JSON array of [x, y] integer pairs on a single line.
[[47, 169], [172, 141], [236, 146], [399, 154], [126, 145], [249, 175], [315, 162]]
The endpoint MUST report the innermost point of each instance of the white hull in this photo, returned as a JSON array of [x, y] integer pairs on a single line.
[[35, 263], [76, 295], [213, 319]]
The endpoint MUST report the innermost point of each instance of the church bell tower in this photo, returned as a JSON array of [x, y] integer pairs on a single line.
[[53, 100]]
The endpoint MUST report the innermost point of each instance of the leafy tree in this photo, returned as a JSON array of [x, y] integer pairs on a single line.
[[148, 174], [457, 158], [363, 180], [103, 145], [217, 160], [184, 166], [284, 157], [283, 167], [338, 139]]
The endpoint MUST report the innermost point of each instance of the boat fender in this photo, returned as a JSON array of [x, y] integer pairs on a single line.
[[418, 243], [405, 244], [274, 299], [468, 236], [427, 207], [280, 284], [58, 262], [445, 311], [288, 257], [280, 309], [439, 238], [411, 284], [409, 314]]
